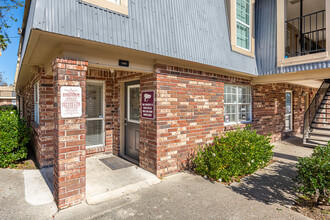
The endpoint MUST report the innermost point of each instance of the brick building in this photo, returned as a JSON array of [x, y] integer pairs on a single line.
[[7, 95], [151, 81]]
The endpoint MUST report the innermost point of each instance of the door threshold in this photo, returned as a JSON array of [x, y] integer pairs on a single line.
[[130, 159]]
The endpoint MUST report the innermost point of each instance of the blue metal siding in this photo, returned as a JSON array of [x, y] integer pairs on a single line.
[[266, 47], [191, 30]]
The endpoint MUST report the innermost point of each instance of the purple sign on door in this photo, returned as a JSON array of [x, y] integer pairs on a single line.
[[148, 105]]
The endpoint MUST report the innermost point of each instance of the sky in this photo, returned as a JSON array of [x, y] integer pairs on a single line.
[[8, 60]]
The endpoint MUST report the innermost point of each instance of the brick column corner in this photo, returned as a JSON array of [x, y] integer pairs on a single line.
[[69, 136]]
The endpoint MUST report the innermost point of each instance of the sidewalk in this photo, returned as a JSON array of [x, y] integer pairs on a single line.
[[274, 184], [264, 195], [13, 204]]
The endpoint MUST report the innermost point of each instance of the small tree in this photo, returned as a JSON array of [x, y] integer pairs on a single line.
[[6, 18], [2, 79]]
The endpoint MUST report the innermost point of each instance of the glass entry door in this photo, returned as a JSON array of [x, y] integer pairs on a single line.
[[94, 114]]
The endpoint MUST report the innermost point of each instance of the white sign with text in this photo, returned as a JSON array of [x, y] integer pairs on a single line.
[[71, 102]]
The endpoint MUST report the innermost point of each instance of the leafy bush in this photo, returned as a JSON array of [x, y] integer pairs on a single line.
[[14, 136], [313, 179], [8, 108], [235, 154]]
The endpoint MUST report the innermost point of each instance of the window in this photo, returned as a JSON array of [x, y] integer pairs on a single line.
[[241, 25], [114, 1], [120, 6], [243, 29], [95, 114], [133, 103], [288, 111], [237, 104], [36, 102]]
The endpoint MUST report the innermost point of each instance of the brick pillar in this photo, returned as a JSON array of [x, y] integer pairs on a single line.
[[69, 136]]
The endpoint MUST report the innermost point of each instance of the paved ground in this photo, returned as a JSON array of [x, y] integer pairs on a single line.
[[265, 195], [13, 204], [104, 183], [274, 185]]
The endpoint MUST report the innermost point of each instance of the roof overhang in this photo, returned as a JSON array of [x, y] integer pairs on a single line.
[[311, 78], [43, 47]]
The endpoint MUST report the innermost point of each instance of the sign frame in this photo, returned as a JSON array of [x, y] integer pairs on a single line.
[[152, 104]]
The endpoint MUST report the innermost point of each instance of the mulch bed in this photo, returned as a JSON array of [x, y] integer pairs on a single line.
[[29, 163], [312, 210]]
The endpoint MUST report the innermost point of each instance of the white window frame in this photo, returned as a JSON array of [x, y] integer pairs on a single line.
[[121, 6], [98, 82], [289, 114], [237, 105], [233, 29], [116, 2], [36, 102], [242, 23], [128, 102]]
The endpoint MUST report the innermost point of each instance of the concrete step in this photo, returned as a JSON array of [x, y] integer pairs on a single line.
[[314, 137], [316, 143], [318, 131], [321, 123], [320, 112], [322, 118]]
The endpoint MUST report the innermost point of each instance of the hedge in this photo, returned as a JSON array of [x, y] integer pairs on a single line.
[[14, 137]]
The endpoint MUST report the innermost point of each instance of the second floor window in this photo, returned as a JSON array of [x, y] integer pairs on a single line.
[[114, 1], [243, 24], [119, 6]]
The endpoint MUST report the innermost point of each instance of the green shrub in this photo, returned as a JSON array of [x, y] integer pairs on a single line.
[[235, 154], [8, 108], [14, 136], [313, 179]]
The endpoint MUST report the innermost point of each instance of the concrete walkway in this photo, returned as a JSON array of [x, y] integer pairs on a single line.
[[264, 195], [13, 202], [274, 185]]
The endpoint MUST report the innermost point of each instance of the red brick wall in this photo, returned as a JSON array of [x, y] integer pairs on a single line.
[[5, 102], [113, 110], [269, 109], [42, 134], [69, 136], [190, 110], [149, 156]]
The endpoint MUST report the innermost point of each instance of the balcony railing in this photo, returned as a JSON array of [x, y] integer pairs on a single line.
[[305, 35]]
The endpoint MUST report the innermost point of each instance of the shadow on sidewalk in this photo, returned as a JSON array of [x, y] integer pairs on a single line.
[[272, 185]]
